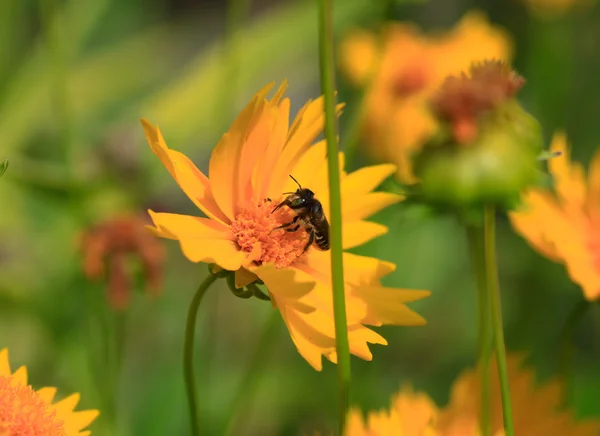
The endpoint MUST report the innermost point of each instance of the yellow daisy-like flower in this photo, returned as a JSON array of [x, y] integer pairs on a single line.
[[565, 226], [24, 411], [249, 170], [403, 73], [536, 410]]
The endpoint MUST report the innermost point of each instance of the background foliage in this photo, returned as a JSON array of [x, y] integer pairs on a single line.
[[76, 76]]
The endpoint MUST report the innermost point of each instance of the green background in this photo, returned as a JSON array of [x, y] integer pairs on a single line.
[[82, 72]]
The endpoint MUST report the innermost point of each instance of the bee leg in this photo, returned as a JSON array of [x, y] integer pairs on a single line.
[[293, 229], [283, 203], [291, 223], [311, 239]]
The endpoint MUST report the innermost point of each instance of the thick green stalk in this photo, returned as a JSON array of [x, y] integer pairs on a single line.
[[188, 352], [254, 373], [337, 268], [477, 252], [493, 289]]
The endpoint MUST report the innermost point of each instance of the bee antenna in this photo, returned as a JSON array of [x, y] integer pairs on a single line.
[[300, 186]]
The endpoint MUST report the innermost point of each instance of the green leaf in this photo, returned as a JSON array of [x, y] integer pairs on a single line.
[[3, 167]]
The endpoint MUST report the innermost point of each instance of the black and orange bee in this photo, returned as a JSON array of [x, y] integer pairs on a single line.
[[309, 216]]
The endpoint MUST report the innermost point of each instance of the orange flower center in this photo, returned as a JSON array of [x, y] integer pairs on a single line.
[[255, 228], [24, 412]]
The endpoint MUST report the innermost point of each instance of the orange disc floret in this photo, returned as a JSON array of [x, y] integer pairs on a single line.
[[24, 412], [256, 226]]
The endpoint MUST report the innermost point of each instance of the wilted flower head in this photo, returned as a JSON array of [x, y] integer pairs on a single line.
[[536, 410], [25, 411], [109, 246], [249, 171], [402, 74], [564, 225], [487, 148]]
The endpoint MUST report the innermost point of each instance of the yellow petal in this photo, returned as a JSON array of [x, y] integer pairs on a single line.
[[47, 394], [80, 420], [20, 376], [569, 177], [189, 178], [366, 205], [226, 166], [355, 233], [244, 277], [288, 286], [201, 239], [4, 363], [67, 405], [535, 219], [387, 305], [365, 180]]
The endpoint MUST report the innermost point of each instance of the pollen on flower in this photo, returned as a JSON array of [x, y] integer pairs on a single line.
[[255, 227], [24, 412]]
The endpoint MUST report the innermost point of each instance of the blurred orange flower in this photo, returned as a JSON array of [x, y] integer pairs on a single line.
[[248, 172], [24, 411], [565, 226], [107, 248], [402, 74], [536, 410]]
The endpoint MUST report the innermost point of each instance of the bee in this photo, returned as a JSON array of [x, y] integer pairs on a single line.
[[309, 216]]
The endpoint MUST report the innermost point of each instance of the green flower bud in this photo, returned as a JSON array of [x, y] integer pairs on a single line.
[[488, 149]]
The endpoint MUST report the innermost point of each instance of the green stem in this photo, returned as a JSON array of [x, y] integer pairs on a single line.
[[566, 353], [254, 373], [493, 289], [188, 352], [477, 252], [326, 63]]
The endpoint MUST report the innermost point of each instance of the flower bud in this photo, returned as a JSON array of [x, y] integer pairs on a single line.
[[487, 148]]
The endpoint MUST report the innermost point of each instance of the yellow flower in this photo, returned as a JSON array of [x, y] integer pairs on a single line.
[[565, 226], [249, 170], [536, 410], [24, 411], [410, 414], [404, 75]]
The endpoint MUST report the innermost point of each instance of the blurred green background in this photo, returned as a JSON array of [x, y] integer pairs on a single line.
[[76, 76]]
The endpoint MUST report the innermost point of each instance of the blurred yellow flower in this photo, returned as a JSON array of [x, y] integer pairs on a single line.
[[536, 410], [404, 72], [565, 226], [24, 411], [248, 172]]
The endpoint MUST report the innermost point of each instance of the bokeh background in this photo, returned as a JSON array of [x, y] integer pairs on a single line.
[[76, 76]]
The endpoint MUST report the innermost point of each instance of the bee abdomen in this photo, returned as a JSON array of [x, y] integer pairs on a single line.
[[321, 241]]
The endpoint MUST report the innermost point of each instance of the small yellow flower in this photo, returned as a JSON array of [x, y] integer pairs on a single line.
[[404, 76], [24, 411], [536, 410], [565, 226], [248, 171]]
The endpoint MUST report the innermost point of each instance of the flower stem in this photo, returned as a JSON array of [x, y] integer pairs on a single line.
[[337, 268], [493, 289], [477, 252], [254, 372], [188, 352]]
